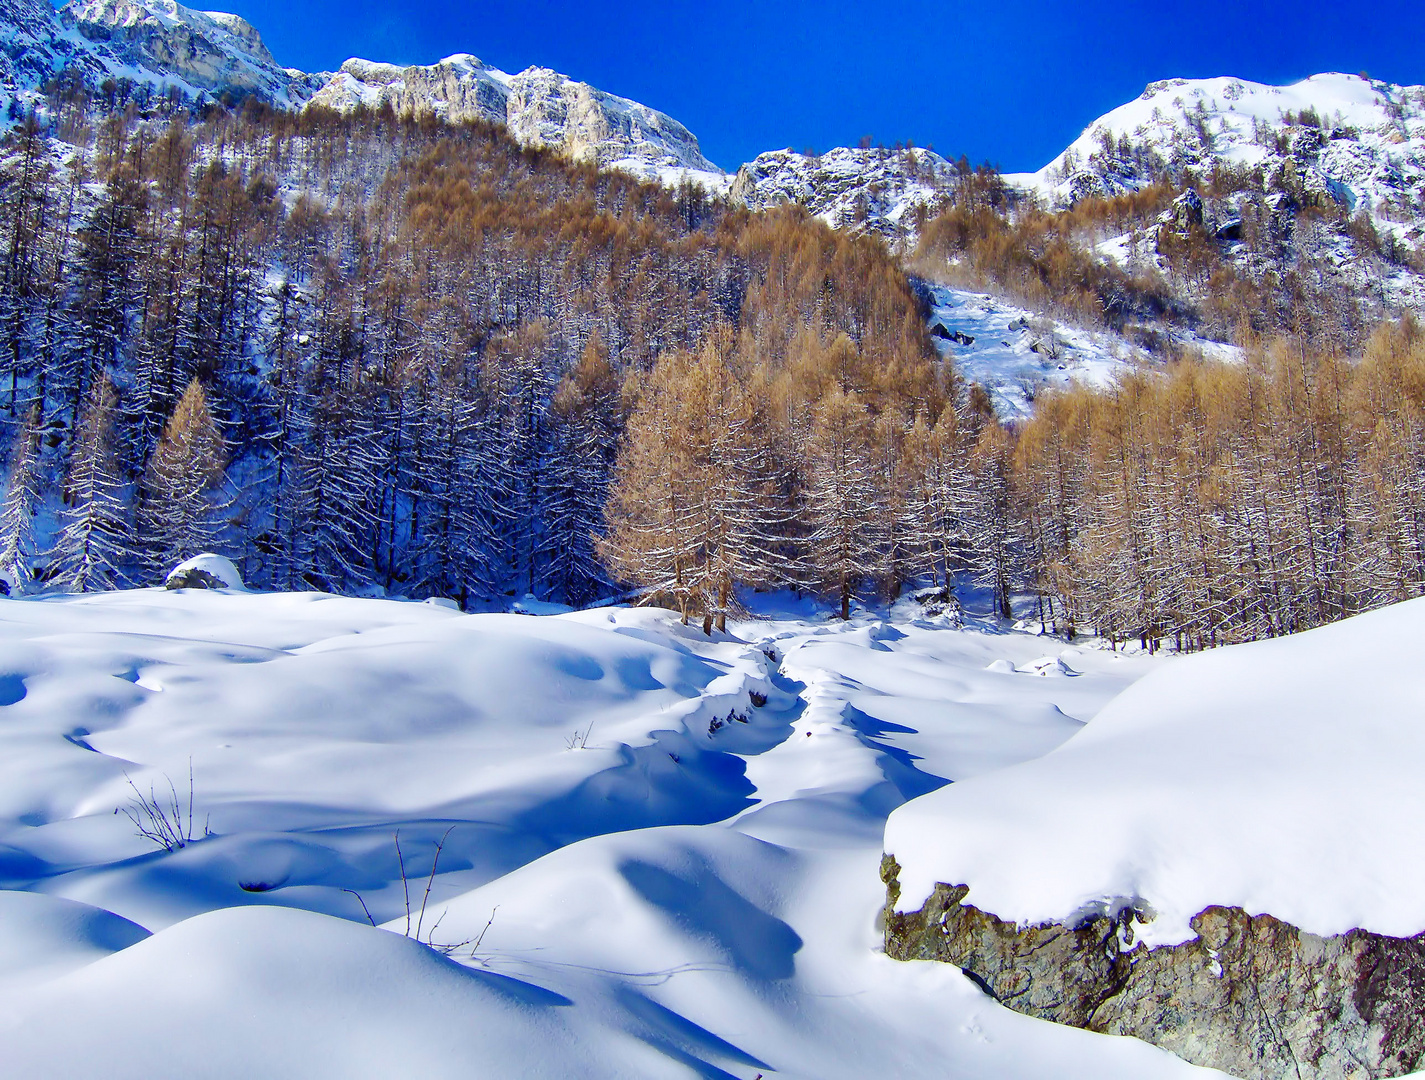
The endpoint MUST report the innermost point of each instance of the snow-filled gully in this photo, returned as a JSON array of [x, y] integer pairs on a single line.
[[660, 850]]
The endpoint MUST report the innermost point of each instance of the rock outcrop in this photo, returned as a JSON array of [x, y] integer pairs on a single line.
[[210, 51], [458, 88], [1250, 995], [876, 190], [540, 108]]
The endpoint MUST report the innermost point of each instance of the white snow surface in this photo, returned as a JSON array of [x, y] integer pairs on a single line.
[[1281, 776], [670, 879], [1014, 353]]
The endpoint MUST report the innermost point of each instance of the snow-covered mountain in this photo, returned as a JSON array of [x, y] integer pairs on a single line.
[[210, 51], [1356, 141], [161, 44], [539, 106], [158, 44], [873, 190]]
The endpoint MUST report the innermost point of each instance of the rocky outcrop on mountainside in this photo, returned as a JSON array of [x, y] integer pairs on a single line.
[[458, 88], [887, 192], [154, 43], [210, 51], [1354, 142], [1250, 995], [540, 108]]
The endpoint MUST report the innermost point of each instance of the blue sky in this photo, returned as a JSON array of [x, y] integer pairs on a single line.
[[1011, 82]]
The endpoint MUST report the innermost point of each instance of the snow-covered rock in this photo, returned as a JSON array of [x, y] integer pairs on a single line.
[[1281, 777], [1250, 815], [865, 190], [157, 44], [212, 52], [205, 571]]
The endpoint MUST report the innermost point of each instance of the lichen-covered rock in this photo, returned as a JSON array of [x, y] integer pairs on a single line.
[[1250, 995]]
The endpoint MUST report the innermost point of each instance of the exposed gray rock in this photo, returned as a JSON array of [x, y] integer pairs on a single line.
[[549, 109], [1251, 995], [458, 88]]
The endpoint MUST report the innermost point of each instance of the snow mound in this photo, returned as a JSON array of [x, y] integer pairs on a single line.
[[47, 936], [1282, 777], [201, 571], [677, 837], [269, 991]]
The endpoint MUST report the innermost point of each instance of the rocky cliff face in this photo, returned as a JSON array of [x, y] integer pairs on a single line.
[[540, 108], [886, 192], [212, 52], [458, 88], [1250, 995], [548, 109], [156, 43]]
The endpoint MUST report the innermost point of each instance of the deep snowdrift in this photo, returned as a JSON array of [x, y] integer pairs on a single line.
[[668, 842], [1282, 777]]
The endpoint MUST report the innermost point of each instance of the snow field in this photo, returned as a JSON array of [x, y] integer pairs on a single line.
[[1000, 357], [690, 889]]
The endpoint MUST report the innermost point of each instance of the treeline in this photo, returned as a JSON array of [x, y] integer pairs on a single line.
[[1200, 505], [1221, 502], [366, 351]]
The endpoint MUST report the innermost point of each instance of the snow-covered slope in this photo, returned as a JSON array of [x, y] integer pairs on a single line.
[[871, 190], [669, 842], [1282, 777], [539, 106], [1363, 143], [1014, 353]]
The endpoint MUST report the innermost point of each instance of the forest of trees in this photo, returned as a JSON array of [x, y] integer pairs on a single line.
[[368, 351], [370, 354]]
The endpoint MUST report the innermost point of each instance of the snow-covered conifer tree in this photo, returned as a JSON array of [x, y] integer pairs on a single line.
[[17, 512], [92, 545]]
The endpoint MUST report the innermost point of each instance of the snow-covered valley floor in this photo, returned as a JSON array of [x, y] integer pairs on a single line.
[[660, 850]]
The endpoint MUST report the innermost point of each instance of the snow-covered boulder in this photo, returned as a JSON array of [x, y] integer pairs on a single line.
[[1251, 815], [206, 571]]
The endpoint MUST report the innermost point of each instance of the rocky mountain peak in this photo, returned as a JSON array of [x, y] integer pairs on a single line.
[[460, 87], [137, 20]]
